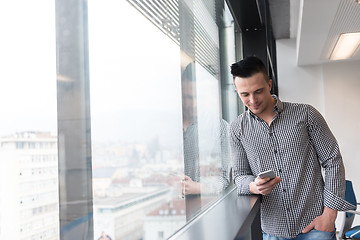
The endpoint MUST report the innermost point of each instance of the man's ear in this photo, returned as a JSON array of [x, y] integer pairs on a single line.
[[270, 83]]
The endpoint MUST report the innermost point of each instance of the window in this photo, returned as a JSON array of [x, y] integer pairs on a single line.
[[155, 114], [130, 92], [28, 118]]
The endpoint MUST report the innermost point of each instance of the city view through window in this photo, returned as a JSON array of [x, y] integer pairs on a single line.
[[29, 205], [136, 125], [155, 120], [159, 145]]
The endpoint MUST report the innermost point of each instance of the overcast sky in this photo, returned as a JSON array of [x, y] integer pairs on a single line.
[[130, 61], [27, 66], [134, 73]]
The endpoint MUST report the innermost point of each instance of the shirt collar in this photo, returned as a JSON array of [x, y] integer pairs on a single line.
[[279, 106]]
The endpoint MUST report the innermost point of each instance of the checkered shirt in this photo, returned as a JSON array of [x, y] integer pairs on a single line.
[[297, 145]]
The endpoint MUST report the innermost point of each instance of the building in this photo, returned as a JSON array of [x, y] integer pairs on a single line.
[[122, 217], [29, 186], [164, 221]]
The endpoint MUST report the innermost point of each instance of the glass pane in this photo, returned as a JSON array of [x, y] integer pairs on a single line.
[[213, 135], [28, 142], [206, 142], [206, 146], [159, 143], [136, 123]]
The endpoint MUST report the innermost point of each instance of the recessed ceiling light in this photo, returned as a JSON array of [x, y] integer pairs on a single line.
[[346, 46]]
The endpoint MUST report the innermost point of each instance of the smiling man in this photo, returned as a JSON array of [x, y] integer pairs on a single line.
[[295, 142]]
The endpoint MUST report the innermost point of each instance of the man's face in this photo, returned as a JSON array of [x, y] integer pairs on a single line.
[[189, 100], [254, 92]]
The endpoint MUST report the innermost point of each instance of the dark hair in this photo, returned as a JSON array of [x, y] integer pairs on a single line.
[[248, 67]]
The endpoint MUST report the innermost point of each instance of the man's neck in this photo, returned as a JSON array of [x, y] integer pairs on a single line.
[[268, 114], [187, 123]]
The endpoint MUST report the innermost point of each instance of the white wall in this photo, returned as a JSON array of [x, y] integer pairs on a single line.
[[334, 89], [298, 84], [342, 98]]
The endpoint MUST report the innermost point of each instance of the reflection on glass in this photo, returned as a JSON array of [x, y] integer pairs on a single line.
[[159, 145], [206, 142], [205, 136]]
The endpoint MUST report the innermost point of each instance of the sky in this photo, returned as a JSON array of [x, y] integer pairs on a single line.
[[27, 66], [135, 73], [121, 66], [134, 76]]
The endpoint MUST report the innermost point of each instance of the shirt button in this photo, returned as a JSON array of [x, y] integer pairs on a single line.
[[280, 171], [270, 134], [288, 209], [284, 190], [275, 151]]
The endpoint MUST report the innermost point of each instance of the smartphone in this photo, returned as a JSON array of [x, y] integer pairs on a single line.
[[270, 174]]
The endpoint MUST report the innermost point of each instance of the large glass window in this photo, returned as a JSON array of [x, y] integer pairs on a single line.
[[136, 121], [29, 199], [159, 142], [112, 121]]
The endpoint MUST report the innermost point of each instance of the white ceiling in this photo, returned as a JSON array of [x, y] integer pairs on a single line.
[[316, 24], [319, 25]]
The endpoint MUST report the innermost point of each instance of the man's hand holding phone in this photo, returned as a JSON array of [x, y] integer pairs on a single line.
[[264, 183]]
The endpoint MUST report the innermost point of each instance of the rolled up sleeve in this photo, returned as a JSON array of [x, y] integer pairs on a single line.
[[330, 157]]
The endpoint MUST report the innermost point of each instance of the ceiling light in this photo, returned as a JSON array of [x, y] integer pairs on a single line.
[[346, 46]]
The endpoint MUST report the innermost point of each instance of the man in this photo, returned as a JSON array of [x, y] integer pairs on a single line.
[[294, 141]]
